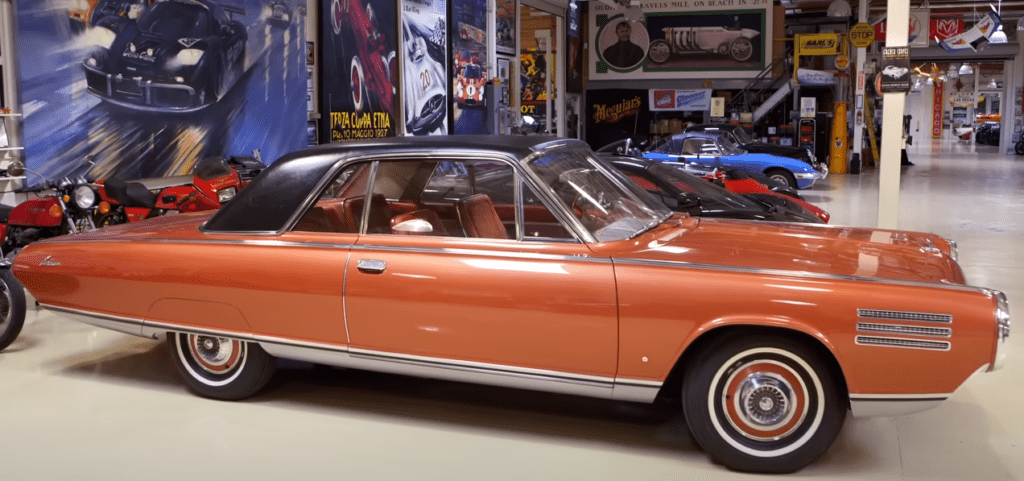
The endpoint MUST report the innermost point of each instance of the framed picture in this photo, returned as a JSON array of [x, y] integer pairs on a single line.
[[310, 51], [311, 137], [503, 69]]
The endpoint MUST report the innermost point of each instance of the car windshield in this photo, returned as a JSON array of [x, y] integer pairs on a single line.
[[175, 19], [729, 146], [742, 136], [606, 203], [712, 197]]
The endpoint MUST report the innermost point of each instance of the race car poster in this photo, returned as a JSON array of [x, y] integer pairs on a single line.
[[149, 88], [505, 26], [358, 95], [469, 49], [425, 69], [681, 39], [616, 114], [533, 67]]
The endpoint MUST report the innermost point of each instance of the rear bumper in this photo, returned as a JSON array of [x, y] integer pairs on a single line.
[[140, 93]]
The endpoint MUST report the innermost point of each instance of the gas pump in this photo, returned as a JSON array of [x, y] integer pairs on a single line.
[[497, 119]]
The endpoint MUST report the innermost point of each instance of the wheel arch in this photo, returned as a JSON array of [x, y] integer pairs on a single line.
[[671, 389]]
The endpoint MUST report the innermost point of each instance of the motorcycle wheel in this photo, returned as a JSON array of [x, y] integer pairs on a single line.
[[1019, 147], [12, 308], [112, 218]]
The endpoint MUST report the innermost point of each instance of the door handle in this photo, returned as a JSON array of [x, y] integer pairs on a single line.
[[371, 266]]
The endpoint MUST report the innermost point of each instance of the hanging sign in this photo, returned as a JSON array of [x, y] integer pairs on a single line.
[[861, 35], [962, 98], [895, 73], [842, 61], [817, 44], [937, 92], [692, 100]]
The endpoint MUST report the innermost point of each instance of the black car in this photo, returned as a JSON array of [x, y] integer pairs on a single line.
[[683, 192], [180, 55], [746, 142]]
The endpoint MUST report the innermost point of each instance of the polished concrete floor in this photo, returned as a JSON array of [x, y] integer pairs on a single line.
[[78, 403]]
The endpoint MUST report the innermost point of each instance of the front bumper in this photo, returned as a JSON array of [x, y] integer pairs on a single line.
[[1002, 330], [140, 93], [804, 180]]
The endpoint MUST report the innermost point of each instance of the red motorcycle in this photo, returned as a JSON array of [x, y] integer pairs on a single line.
[[214, 181], [53, 208]]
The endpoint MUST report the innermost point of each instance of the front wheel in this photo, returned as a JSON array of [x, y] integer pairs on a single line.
[[782, 176], [219, 367], [1019, 147], [764, 403], [741, 49], [12, 308]]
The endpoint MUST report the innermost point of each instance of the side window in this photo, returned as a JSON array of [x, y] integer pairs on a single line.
[[710, 148], [339, 208], [447, 198], [538, 221], [692, 146]]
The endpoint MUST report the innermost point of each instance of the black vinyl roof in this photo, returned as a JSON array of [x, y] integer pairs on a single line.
[[270, 200]]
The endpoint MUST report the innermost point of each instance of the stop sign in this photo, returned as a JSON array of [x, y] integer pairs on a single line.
[[861, 35]]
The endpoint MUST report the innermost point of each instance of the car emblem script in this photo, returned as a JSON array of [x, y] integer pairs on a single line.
[[49, 261]]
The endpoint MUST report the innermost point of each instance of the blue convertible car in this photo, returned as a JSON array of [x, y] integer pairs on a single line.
[[716, 150]]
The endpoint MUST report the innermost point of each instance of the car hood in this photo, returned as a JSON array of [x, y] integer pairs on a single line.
[[780, 150], [134, 45], [798, 248]]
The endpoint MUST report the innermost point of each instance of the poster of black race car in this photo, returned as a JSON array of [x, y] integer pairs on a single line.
[[149, 87], [177, 55]]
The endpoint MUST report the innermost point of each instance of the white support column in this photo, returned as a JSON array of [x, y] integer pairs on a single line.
[[492, 40], [893, 104], [859, 81], [560, 52]]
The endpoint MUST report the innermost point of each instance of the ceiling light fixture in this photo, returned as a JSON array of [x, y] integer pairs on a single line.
[[966, 69]]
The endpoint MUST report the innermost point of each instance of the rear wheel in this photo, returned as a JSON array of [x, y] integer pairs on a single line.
[[764, 403], [220, 367], [782, 176], [12, 307], [741, 49]]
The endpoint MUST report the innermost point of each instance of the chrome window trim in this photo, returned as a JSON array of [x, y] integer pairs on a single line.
[[637, 390], [788, 273], [364, 216], [473, 252], [893, 315]]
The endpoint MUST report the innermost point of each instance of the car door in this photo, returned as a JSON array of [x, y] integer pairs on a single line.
[[456, 273]]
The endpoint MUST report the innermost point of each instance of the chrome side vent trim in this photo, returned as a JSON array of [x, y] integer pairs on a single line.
[[901, 342], [904, 316], [903, 329]]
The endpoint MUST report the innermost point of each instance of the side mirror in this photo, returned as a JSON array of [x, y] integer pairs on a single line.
[[413, 226], [89, 160], [689, 203], [16, 168]]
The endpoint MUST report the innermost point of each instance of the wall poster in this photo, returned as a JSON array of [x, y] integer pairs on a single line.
[[615, 114], [686, 38], [425, 73], [358, 59], [469, 49], [532, 72], [151, 87], [505, 26]]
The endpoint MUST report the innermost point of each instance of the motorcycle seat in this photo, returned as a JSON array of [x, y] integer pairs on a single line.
[[160, 183], [130, 194]]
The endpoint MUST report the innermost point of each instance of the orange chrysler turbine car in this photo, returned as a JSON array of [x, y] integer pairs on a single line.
[[527, 262]]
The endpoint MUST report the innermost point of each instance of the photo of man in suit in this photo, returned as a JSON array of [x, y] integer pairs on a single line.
[[624, 53]]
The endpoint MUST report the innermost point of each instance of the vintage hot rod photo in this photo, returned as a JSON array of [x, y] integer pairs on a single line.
[[528, 262]]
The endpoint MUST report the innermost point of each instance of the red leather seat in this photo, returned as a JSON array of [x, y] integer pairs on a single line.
[[479, 219], [427, 215]]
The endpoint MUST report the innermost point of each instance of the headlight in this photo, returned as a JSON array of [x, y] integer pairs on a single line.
[[225, 195], [84, 197], [1002, 330], [187, 57], [101, 37]]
